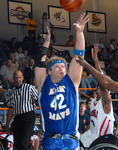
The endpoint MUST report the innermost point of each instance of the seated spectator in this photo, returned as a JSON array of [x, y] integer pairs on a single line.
[[104, 54], [7, 71], [29, 72], [27, 58], [19, 55], [14, 64], [84, 121], [13, 45], [102, 63], [88, 103], [70, 42], [101, 44], [3, 53], [85, 83], [112, 44], [115, 61], [109, 55]]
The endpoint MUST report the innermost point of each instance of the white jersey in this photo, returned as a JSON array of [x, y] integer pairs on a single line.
[[100, 123]]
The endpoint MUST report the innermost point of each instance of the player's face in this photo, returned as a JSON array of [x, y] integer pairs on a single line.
[[98, 91], [57, 72]]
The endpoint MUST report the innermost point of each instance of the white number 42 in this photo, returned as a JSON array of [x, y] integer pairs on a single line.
[[60, 105]]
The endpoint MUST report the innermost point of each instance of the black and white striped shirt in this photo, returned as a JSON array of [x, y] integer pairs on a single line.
[[23, 99]]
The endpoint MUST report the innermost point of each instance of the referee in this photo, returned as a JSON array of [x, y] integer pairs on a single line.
[[22, 101]]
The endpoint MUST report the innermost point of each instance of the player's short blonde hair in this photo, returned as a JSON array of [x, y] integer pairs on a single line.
[[54, 58]]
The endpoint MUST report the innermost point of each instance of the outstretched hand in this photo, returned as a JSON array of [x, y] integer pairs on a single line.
[[94, 52], [81, 61], [81, 22]]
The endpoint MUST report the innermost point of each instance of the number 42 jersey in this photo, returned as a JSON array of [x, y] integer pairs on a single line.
[[59, 107]]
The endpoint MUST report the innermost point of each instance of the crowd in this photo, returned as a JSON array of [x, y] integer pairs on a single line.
[[38, 75]]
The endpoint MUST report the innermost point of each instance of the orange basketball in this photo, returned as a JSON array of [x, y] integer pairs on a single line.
[[72, 5]]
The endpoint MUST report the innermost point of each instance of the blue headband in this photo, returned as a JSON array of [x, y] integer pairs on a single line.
[[54, 62]]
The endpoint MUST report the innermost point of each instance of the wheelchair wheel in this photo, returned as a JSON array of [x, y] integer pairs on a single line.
[[104, 146], [1, 146], [106, 142]]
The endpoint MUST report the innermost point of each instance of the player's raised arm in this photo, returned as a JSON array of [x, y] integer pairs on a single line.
[[75, 70], [40, 69], [106, 97], [103, 80]]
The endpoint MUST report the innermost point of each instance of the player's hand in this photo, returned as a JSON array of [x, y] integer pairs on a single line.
[[80, 24], [81, 61], [94, 52]]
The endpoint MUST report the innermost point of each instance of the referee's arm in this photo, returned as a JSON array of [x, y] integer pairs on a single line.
[[9, 117]]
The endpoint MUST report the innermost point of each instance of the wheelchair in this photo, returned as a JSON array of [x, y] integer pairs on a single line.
[[4, 144], [106, 142]]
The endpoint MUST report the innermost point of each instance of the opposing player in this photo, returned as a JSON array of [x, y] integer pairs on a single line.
[[101, 111], [59, 94]]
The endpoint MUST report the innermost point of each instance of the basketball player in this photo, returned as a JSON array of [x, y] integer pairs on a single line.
[[59, 94], [101, 111]]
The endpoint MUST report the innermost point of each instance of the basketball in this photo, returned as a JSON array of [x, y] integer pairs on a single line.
[[71, 5]]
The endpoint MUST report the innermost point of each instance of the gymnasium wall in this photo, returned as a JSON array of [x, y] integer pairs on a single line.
[[110, 7]]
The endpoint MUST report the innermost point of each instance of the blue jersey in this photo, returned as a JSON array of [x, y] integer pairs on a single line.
[[59, 107]]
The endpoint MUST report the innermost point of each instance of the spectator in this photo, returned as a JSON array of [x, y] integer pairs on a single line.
[[22, 101], [7, 72], [115, 61], [109, 55], [14, 64], [27, 58], [104, 54], [70, 42], [47, 23], [29, 72], [113, 44], [19, 55], [101, 44], [84, 121], [88, 103], [85, 83], [3, 53], [102, 63], [31, 27], [13, 45]]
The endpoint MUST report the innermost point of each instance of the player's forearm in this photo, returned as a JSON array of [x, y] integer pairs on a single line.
[[80, 41], [97, 65], [103, 80]]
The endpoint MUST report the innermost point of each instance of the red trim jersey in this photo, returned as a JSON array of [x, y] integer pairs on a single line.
[[101, 123]]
